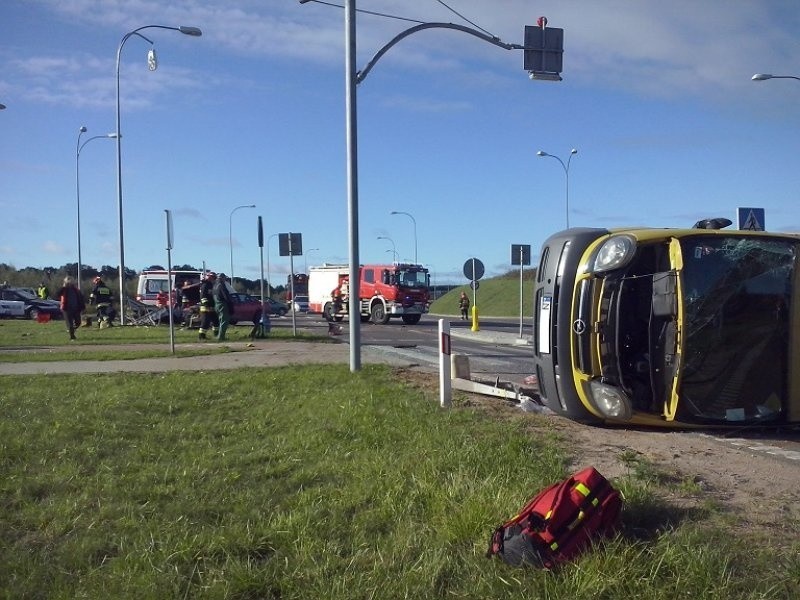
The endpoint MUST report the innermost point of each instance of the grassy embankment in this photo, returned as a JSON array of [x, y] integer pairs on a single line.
[[496, 297]]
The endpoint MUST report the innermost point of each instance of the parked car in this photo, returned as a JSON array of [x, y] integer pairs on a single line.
[[300, 303], [12, 308], [276, 307], [245, 308], [32, 306], [669, 327]]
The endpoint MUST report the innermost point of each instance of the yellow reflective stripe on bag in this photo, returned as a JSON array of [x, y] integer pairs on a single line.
[[585, 491]]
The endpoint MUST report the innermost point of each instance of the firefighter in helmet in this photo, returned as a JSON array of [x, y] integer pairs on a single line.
[[100, 298], [208, 316]]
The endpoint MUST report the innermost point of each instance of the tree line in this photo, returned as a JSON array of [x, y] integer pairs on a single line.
[[53, 278]]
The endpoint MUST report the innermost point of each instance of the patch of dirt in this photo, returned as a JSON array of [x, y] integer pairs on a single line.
[[758, 490]]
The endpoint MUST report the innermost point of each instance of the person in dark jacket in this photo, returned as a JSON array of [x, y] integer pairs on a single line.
[[72, 305], [208, 316], [463, 306], [223, 305], [101, 299]]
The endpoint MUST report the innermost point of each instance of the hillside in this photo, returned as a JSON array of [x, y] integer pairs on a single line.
[[496, 297]]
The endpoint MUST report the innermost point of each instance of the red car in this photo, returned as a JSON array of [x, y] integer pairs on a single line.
[[247, 307]]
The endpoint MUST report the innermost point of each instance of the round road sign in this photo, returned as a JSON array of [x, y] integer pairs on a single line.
[[474, 284], [473, 269]]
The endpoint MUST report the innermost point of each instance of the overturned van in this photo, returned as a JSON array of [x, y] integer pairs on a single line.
[[673, 327]]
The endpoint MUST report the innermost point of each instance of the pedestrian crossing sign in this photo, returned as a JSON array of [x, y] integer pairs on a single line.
[[751, 219]]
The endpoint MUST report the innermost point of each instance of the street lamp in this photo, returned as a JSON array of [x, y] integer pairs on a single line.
[[765, 76], [394, 248], [230, 232], [566, 172], [193, 31], [352, 78], [78, 148], [305, 256], [397, 212]]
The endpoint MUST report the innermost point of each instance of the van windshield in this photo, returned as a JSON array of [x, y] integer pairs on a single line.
[[737, 295]]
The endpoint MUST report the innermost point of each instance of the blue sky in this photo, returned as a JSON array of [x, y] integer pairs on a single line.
[[656, 97]]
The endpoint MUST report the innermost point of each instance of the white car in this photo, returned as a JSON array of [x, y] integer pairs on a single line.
[[300, 304]]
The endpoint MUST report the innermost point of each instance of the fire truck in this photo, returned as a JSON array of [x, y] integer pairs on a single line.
[[385, 291]]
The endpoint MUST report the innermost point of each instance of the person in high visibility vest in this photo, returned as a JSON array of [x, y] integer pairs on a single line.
[[43, 292], [208, 316], [101, 299]]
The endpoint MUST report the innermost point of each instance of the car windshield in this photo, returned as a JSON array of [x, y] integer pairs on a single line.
[[737, 295], [25, 295]]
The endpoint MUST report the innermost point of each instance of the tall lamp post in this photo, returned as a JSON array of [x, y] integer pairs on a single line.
[[352, 78], [572, 153], [230, 233], [394, 248], [765, 76], [78, 148], [151, 59], [305, 256], [397, 212]]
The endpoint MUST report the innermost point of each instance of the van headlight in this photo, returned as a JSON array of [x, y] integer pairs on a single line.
[[614, 253], [611, 401]]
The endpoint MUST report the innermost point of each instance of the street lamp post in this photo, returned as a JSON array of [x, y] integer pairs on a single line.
[[230, 234], [78, 148], [397, 212], [352, 78], [394, 248], [305, 256], [193, 31], [566, 172], [765, 76]]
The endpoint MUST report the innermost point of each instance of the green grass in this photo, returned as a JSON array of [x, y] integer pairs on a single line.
[[496, 297], [314, 482], [21, 335]]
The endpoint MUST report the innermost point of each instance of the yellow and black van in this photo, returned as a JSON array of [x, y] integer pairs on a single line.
[[673, 327]]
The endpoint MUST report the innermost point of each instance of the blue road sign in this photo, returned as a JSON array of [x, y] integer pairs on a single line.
[[751, 219]]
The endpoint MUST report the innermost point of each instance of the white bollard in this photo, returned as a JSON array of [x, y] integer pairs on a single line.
[[445, 385]]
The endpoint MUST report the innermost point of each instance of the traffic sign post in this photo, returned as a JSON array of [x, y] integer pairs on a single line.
[[474, 270], [520, 255], [445, 380]]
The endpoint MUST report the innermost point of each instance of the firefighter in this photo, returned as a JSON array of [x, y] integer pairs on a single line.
[[337, 298], [208, 316], [190, 302], [100, 298]]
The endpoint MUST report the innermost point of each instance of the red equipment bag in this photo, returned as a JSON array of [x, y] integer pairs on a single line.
[[559, 522]]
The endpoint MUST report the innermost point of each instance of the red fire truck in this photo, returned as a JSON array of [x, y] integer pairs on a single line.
[[385, 291]]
